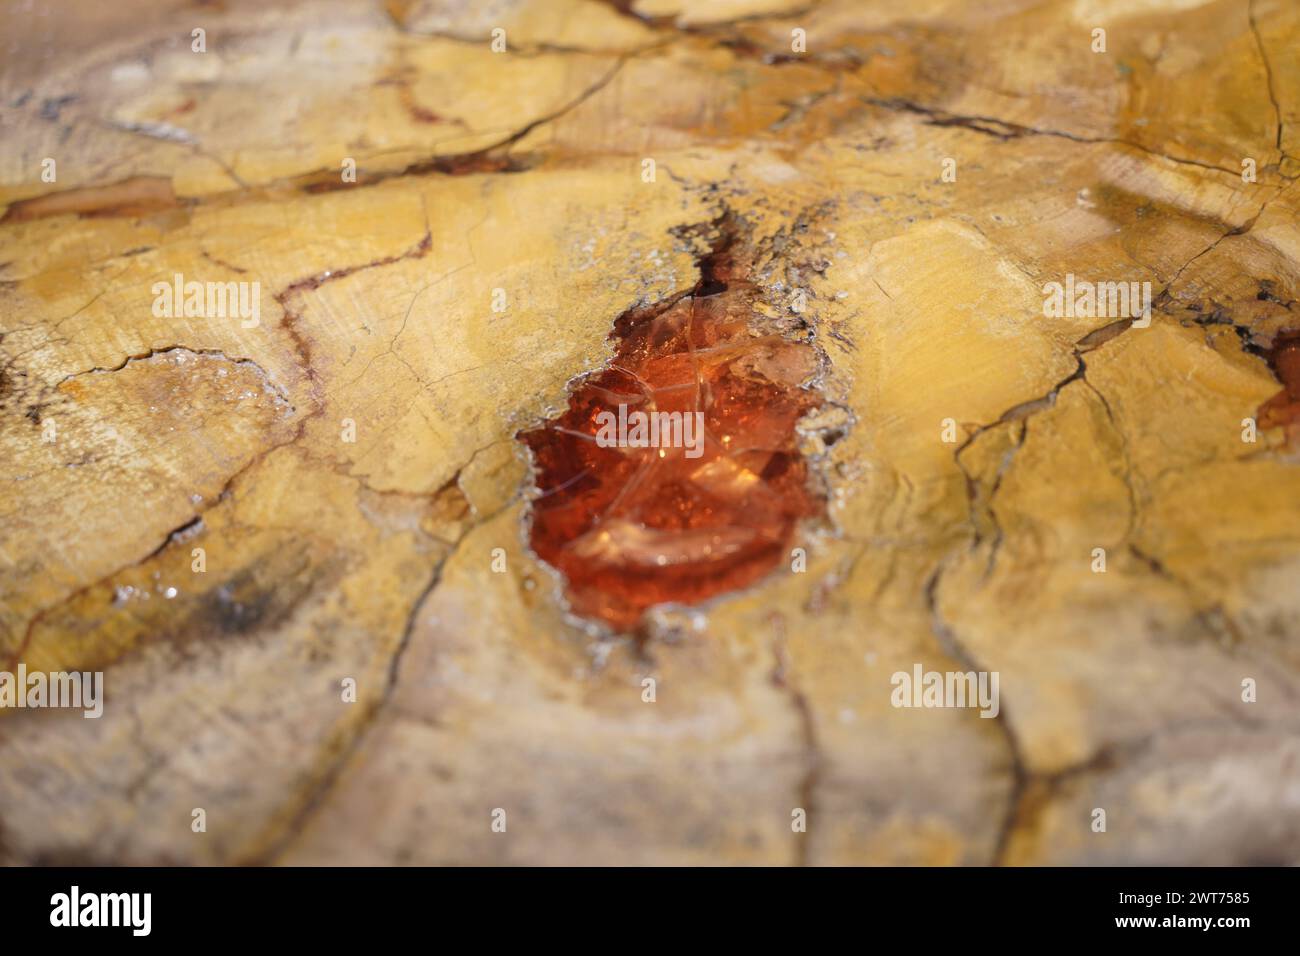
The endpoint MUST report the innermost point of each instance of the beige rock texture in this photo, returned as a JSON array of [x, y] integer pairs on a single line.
[[981, 451]]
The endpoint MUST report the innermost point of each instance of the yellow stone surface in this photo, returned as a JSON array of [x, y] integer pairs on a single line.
[[326, 558]]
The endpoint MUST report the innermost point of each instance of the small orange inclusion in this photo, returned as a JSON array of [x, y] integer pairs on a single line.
[[630, 528]]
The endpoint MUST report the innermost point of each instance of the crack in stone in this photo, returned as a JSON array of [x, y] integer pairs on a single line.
[[813, 757], [1088, 343], [317, 793], [624, 8], [289, 321], [392, 345], [105, 199], [166, 350], [1124, 452], [1268, 73], [1005, 130], [951, 645], [1111, 757], [1003, 467], [725, 34], [176, 534], [1239, 230], [1205, 613], [1020, 412], [485, 160]]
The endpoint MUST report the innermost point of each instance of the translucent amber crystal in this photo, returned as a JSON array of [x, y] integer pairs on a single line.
[[631, 527]]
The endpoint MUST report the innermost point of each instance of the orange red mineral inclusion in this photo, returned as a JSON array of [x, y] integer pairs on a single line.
[[634, 527], [1283, 409]]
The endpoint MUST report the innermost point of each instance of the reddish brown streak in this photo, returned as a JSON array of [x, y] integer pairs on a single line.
[[1283, 409]]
